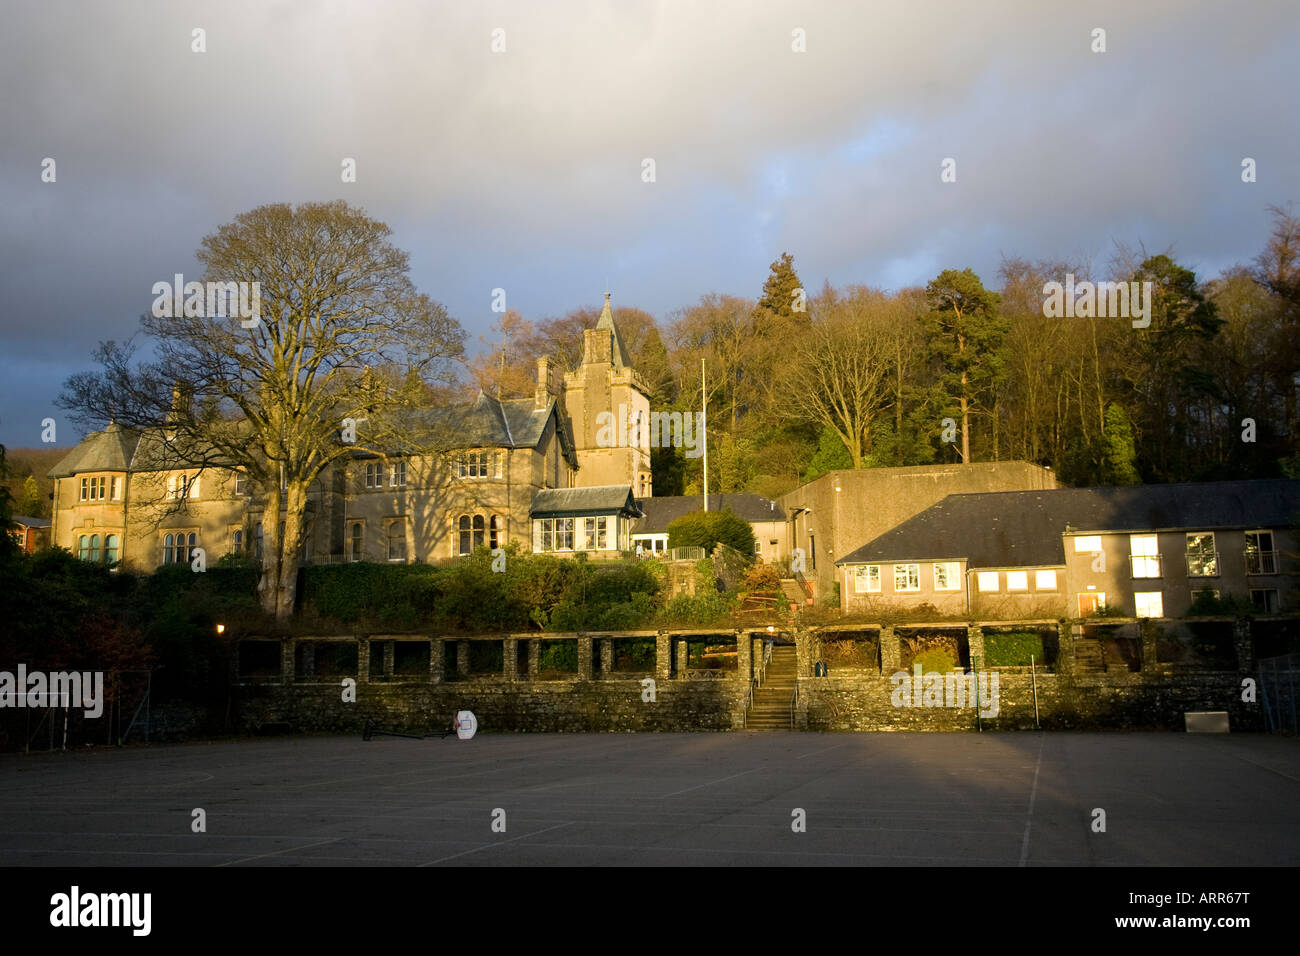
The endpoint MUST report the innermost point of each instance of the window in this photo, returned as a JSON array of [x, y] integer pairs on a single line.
[[237, 541], [1149, 604], [115, 488], [466, 535], [374, 475], [1264, 599], [478, 464], [907, 577], [546, 526], [83, 547], [866, 578], [356, 540], [397, 540], [494, 532], [1087, 543], [1260, 556], [1202, 559], [177, 546], [987, 581], [88, 548], [1017, 580], [1045, 580], [947, 576], [758, 548], [397, 477], [1090, 602], [182, 486], [192, 485], [111, 548], [94, 489], [1144, 555], [563, 534], [478, 531], [597, 538], [241, 484]]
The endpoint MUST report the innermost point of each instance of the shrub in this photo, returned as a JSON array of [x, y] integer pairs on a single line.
[[937, 660], [762, 577], [704, 529], [1013, 648]]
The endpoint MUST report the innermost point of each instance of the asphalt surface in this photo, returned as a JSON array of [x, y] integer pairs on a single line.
[[663, 799]]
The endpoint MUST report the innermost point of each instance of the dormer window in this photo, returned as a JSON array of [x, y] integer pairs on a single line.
[[479, 464]]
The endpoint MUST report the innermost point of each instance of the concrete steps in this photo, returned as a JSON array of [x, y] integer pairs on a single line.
[[1088, 657], [771, 709]]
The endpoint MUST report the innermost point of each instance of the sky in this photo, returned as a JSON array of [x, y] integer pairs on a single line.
[[522, 168]]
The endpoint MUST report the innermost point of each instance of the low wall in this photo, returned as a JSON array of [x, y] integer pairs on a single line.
[[1120, 701]]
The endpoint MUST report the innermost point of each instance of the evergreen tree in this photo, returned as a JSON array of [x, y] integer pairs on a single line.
[[31, 498], [784, 299], [1118, 453], [964, 335]]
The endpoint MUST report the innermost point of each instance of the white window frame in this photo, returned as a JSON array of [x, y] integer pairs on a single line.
[[1144, 555], [951, 573], [1214, 555], [1149, 603], [864, 575], [912, 572]]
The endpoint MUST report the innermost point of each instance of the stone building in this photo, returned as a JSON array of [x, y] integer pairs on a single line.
[[113, 504]]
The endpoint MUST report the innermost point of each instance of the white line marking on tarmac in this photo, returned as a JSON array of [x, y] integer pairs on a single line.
[[488, 846], [822, 751], [1269, 769], [1033, 794], [290, 849], [711, 783]]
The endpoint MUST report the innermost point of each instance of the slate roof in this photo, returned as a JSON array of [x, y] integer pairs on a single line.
[[660, 512], [1023, 528], [109, 450], [603, 499], [29, 522]]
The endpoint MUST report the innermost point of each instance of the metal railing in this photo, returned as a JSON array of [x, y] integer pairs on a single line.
[[686, 554], [1261, 562], [1279, 687], [794, 700], [1145, 566]]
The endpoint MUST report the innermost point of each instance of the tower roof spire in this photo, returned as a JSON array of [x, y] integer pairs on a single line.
[[606, 322]]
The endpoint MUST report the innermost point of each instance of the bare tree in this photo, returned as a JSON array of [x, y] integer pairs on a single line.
[[342, 334]]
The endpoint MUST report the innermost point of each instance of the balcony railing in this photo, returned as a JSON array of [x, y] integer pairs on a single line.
[[1261, 562], [1202, 564], [1145, 565]]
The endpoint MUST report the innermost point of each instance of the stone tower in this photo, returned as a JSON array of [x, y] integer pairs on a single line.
[[609, 409]]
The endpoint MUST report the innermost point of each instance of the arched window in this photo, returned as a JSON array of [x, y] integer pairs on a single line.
[[237, 540], [478, 531], [94, 548], [110, 549], [463, 527], [169, 555], [83, 547], [356, 541], [494, 532], [397, 540]]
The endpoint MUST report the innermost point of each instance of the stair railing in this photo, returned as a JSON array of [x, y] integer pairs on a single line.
[[794, 699]]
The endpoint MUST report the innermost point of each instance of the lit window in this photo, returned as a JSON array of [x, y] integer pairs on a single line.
[[907, 577], [1144, 555], [1202, 559], [1149, 604], [987, 580], [1087, 544], [1045, 580], [866, 578], [947, 576], [1017, 580]]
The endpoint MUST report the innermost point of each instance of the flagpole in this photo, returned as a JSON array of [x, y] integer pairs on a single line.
[[704, 430]]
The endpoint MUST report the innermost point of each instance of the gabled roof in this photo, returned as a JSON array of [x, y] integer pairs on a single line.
[[109, 450], [1023, 528], [660, 512], [603, 499], [488, 422]]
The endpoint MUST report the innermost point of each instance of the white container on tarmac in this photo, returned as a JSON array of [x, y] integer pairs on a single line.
[[466, 724]]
